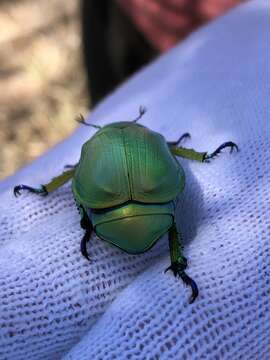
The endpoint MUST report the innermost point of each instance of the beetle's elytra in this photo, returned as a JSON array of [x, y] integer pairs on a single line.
[[126, 185]]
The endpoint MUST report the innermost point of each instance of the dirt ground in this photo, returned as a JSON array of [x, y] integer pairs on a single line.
[[43, 86]]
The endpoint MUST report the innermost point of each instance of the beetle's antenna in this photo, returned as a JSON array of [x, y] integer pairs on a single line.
[[80, 119], [142, 111]]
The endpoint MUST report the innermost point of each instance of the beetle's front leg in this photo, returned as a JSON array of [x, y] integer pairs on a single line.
[[179, 262], [54, 184], [192, 154]]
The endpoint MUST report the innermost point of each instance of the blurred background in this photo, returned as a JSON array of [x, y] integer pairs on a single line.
[[60, 58], [42, 83]]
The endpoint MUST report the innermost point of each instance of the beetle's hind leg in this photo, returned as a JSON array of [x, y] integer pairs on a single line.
[[179, 262], [181, 138]]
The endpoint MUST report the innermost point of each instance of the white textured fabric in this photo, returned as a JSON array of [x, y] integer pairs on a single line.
[[54, 304]]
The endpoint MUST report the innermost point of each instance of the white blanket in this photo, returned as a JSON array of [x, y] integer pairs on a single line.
[[54, 304]]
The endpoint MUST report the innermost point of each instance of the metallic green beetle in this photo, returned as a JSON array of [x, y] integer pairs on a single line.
[[126, 186]]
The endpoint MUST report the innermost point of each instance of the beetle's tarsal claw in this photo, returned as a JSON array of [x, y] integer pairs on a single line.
[[16, 190], [190, 282], [84, 241], [40, 191], [168, 268], [69, 166], [182, 137], [229, 144], [178, 269], [173, 268]]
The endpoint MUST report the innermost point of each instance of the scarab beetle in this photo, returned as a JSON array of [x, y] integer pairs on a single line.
[[126, 186]]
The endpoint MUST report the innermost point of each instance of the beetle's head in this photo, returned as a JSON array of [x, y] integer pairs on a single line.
[[133, 123], [134, 227], [122, 125]]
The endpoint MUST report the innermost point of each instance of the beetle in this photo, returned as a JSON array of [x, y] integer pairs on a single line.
[[126, 186]]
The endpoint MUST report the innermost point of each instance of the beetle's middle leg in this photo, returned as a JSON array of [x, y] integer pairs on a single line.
[[179, 262], [54, 184]]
